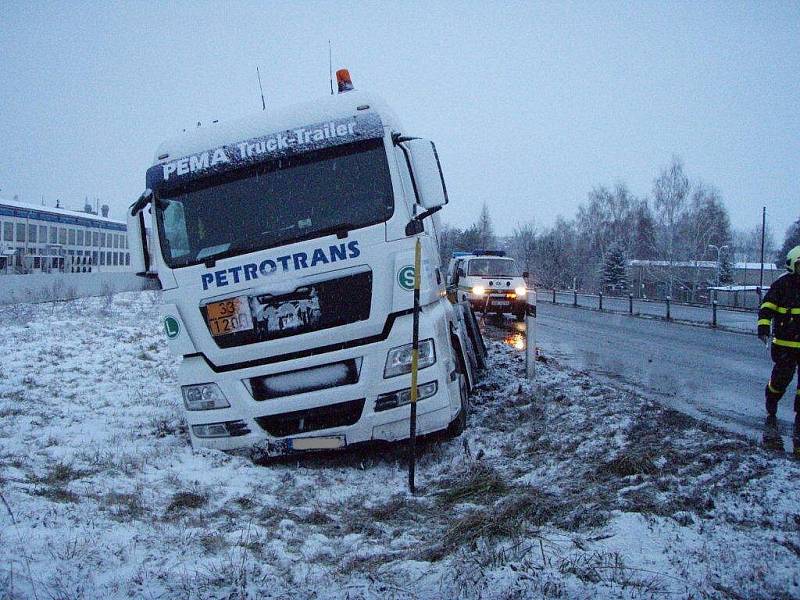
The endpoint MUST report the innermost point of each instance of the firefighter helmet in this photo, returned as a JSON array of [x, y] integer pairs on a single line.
[[793, 260]]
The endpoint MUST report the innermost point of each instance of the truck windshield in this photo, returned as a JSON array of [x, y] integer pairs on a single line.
[[274, 203], [492, 267]]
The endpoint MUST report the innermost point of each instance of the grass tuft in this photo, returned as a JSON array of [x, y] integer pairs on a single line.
[[185, 500], [481, 483]]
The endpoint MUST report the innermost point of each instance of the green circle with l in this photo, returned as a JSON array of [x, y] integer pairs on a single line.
[[171, 326], [405, 277]]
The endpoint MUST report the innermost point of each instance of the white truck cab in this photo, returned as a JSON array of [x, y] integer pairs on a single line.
[[284, 243], [489, 280]]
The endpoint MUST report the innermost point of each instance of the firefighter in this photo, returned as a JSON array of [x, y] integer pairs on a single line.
[[780, 311]]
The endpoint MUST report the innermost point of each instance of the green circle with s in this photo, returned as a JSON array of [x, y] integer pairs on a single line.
[[405, 277], [171, 327]]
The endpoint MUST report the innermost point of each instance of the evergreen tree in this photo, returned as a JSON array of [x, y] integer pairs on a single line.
[[725, 269], [487, 239], [792, 239], [614, 272]]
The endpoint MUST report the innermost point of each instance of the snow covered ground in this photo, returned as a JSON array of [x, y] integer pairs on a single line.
[[570, 488]]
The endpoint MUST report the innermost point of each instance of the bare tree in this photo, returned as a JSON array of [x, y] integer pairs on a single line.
[[524, 248], [670, 191]]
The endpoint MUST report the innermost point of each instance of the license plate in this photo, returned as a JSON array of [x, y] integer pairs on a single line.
[[501, 302], [317, 443], [229, 316]]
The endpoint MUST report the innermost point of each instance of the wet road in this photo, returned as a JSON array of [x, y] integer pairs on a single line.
[[715, 375]]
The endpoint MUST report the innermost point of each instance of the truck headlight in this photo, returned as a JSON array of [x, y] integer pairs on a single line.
[[398, 360], [478, 290], [520, 291], [205, 396]]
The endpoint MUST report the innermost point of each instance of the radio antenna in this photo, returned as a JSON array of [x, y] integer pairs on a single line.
[[330, 66], [263, 104]]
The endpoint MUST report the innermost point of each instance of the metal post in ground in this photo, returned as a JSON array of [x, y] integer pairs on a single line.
[[714, 313], [669, 299], [530, 335], [554, 295], [575, 298], [412, 450], [601, 300], [630, 304]]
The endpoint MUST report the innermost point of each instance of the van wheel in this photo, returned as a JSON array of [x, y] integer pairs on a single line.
[[459, 424]]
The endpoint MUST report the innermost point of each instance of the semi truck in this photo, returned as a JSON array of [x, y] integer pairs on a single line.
[[284, 246]]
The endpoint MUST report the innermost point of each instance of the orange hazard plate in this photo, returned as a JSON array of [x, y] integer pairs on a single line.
[[229, 316]]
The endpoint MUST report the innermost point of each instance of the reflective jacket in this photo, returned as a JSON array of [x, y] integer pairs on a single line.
[[781, 309]]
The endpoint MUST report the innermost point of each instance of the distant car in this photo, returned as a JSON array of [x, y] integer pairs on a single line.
[[490, 281]]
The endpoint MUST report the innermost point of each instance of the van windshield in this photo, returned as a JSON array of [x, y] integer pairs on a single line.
[[274, 203], [493, 267]]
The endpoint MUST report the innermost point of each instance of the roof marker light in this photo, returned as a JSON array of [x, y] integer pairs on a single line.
[[343, 80]]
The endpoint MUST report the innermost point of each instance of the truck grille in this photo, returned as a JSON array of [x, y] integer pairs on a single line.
[[308, 308], [313, 419]]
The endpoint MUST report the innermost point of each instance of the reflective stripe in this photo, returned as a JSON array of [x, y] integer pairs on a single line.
[[785, 343], [766, 322], [772, 389], [782, 310]]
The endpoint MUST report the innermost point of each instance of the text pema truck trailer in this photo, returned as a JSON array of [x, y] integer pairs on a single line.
[[284, 244]]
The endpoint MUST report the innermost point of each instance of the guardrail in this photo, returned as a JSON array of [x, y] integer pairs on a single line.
[[712, 315]]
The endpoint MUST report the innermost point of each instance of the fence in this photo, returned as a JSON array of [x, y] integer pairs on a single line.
[[46, 287], [712, 315]]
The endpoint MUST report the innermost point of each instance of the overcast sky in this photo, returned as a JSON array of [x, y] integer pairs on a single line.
[[530, 104]]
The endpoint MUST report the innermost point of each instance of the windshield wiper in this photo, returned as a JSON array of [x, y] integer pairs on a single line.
[[341, 230]]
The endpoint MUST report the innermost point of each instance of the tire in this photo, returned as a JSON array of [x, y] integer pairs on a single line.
[[459, 424], [474, 337]]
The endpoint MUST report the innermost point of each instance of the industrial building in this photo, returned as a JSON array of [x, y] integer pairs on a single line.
[[40, 239]]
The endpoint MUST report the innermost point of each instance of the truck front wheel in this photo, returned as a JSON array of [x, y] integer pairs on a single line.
[[459, 424]]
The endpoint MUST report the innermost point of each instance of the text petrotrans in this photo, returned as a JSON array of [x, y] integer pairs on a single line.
[[297, 262]]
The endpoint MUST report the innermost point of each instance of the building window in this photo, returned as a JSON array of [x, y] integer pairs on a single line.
[[127, 260], [79, 238], [71, 237], [95, 238], [116, 258], [62, 236], [20, 232], [116, 240], [102, 258], [8, 231], [53, 235], [32, 233], [108, 258], [42, 234]]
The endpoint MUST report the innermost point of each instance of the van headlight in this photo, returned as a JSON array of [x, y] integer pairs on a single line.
[[205, 396], [520, 291], [398, 360], [478, 290]]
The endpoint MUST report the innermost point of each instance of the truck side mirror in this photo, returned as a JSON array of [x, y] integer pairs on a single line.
[[460, 272], [137, 240], [525, 274], [427, 174]]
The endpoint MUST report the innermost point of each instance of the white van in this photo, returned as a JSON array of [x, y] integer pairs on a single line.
[[490, 281]]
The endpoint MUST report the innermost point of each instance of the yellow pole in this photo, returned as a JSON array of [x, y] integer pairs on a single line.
[[414, 367]]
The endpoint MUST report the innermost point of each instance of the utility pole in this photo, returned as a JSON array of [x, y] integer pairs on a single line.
[[763, 226]]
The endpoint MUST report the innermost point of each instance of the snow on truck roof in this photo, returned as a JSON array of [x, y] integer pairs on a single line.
[[326, 108]]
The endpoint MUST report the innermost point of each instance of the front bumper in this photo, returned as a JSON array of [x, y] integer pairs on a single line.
[[497, 303], [262, 424]]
